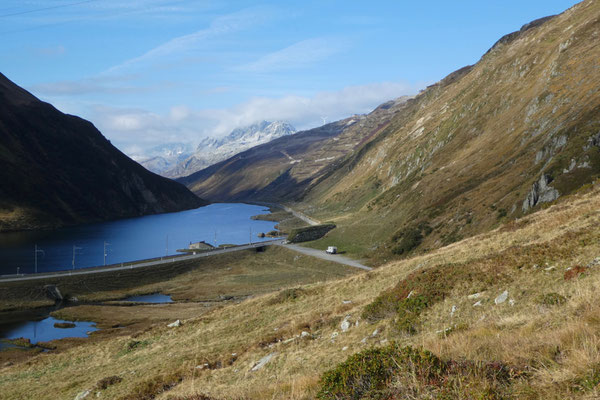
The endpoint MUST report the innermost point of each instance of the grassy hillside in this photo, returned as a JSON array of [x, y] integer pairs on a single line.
[[488, 144], [58, 169], [541, 342]]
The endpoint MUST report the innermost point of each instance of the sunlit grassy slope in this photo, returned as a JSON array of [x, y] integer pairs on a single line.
[[467, 153], [552, 344]]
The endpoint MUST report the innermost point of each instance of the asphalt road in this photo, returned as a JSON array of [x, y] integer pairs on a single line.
[[325, 256], [165, 260]]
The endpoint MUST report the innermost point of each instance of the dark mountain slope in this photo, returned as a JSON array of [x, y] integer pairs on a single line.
[[58, 169]]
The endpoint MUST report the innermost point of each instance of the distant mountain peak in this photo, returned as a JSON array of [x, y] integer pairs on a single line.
[[212, 150]]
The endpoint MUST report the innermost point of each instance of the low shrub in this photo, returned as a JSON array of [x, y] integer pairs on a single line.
[[108, 381], [151, 388], [409, 239], [369, 371], [552, 299], [417, 292], [287, 295], [395, 372]]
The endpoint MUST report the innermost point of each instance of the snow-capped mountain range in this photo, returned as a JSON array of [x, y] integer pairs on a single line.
[[164, 157], [174, 160]]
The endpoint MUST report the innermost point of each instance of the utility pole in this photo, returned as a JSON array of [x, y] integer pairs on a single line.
[[36, 253], [105, 254], [75, 248]]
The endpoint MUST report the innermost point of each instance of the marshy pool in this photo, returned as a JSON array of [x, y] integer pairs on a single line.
[[43, 330], [150, 298]]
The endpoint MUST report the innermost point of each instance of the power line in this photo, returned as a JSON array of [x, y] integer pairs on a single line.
[[46, 8]]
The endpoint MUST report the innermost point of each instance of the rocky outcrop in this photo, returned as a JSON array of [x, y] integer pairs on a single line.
[[541, 192]]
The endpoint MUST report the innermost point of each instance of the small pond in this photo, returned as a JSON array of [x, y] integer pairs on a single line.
[[43, 330], [150, 298]]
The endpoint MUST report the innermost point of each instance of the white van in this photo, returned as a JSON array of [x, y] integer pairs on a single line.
[[331, 250]]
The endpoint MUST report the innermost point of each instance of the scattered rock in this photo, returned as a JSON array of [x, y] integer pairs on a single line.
[[511, 302], [356, 323], [410, 294], [174, 324], [478, 304], [345, 325], [549, 269], [82, 395], [502, 298], [375, 332], [364, 340], [453, 311], [334, 334], [594, 262], [304, 334], [384, 341], [262, 362], [73, 299], [344, 348], [475, 295], [286, 341], [346, 301]]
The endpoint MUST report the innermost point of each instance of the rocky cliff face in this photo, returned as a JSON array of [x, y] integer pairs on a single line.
[[213, 150], [58, 169]]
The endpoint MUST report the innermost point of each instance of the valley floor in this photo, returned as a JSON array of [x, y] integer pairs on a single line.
[[521, 300]]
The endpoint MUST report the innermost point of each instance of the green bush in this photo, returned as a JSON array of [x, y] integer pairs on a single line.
[[365, 373], [552, 299], [410, 239]]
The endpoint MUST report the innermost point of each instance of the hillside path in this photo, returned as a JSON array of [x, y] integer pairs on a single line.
[[328, 257]]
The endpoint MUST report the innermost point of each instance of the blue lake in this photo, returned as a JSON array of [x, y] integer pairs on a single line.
[[130, 239], [43, 330]]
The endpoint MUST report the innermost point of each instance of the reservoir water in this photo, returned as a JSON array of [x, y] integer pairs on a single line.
[[130, 239]]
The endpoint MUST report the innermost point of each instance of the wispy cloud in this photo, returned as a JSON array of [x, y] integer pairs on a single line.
[[183, 45], [298, 55], [51, 51], [94, 85]]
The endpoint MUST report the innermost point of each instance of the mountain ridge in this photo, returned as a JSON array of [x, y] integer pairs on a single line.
[[58, 169]]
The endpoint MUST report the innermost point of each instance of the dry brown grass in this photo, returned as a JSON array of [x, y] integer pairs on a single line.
[[558, 345]]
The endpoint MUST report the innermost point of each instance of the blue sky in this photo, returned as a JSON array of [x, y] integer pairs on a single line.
[[147, 72]]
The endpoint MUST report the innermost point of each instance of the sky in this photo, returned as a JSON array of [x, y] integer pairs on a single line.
[[150, 72]]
